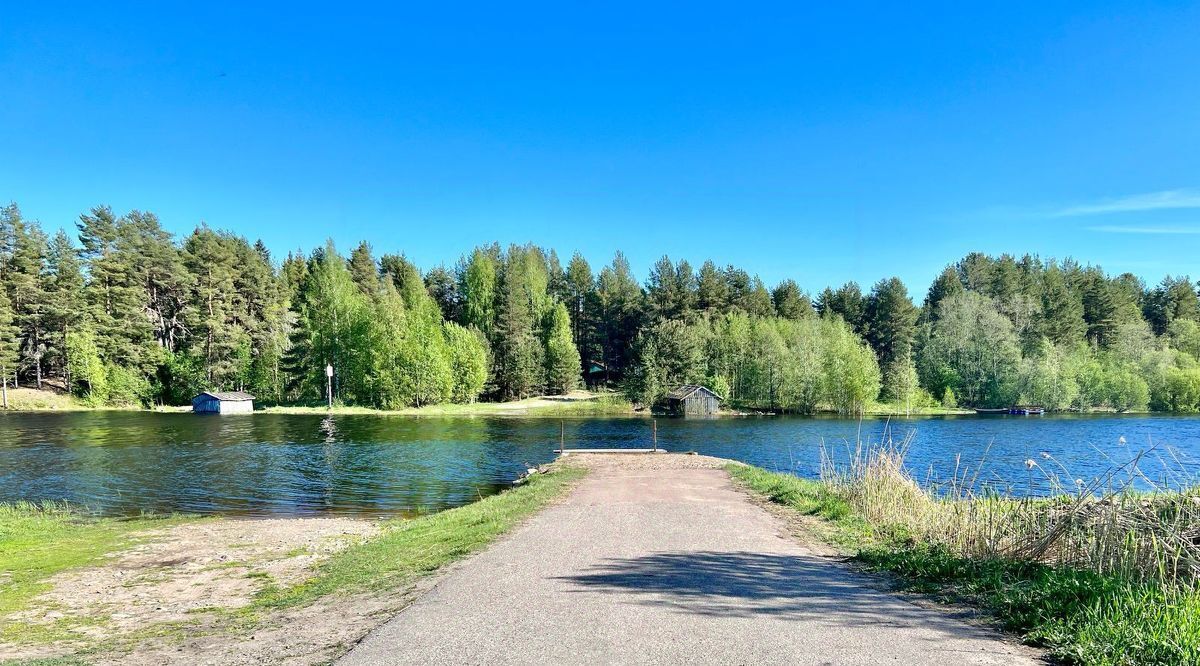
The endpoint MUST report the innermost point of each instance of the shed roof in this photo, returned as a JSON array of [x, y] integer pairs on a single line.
[[688, 390], [227, 396]]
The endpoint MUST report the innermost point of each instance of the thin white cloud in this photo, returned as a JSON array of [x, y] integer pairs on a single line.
[[1123, 229], [1165, 200]]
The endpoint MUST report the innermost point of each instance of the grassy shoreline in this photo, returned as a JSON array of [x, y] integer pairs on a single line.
[[579, 405], [1094, 587], [39, 542]]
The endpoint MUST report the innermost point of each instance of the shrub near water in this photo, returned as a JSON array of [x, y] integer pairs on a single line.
[[1103, 578]]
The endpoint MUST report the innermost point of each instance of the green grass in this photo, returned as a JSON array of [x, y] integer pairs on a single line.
[[45, 661], [1080, 616], [408, 549], [606, 405], [39, 541], [598, 405], [29, 399], [843, 527]]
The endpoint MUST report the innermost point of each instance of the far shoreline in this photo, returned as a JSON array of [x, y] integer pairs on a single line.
[[575, 405]]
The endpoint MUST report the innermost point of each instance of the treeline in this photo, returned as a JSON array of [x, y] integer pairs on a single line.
[[126, 314]]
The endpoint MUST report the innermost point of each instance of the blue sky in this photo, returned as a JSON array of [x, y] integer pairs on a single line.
[[824, 143]]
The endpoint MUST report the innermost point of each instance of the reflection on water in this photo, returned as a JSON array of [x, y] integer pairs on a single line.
[[275, 464]]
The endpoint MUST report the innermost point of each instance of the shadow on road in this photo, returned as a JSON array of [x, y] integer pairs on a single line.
[[744, 584]]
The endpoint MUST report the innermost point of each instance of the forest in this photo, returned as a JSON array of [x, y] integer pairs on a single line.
[[125, 314]]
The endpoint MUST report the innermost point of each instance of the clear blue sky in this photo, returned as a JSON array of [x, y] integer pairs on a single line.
[[822, 143]]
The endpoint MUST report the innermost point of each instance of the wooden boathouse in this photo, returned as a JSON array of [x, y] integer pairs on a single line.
[[691, 400], [223, 402]]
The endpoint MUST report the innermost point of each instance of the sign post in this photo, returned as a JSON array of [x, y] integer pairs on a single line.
[[329, 385]]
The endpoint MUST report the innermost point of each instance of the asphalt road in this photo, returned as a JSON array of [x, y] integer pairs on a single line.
[[659, 560]]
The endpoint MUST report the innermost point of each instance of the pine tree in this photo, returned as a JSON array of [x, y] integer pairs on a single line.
[[442, 286], [665, 292], [891, 320], [518, 347], [846, 302], [158, 271], [1062, 311], [114, 292], [1099, 309], [363, 270], [583, 304], [65, 298], [712, 292], [945, 285], [620, 315], [26, 284], [9, 345], [217, 330], [790, 302]]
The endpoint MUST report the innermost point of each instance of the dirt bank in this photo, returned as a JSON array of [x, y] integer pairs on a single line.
[[184, 580]]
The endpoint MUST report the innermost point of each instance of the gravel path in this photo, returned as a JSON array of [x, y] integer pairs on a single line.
[[659, 559]]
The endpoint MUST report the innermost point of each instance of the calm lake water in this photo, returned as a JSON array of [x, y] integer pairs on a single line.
[[123, 463]]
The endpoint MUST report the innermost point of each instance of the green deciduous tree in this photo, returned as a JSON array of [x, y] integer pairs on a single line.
[[468, 362], [562, 357], [972, 350], [89, 378]]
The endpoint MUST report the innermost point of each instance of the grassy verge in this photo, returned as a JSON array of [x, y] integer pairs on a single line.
[[30, 400], [1065, 574], [601, 405], [411, 548], [39, 541]]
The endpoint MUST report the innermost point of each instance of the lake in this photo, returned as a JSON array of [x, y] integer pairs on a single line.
[[121, 463]]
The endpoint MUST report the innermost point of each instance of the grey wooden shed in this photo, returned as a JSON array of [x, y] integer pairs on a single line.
[[223, 402], [691, 400]]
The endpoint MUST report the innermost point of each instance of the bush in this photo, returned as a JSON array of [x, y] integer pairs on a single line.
[[126, 387]]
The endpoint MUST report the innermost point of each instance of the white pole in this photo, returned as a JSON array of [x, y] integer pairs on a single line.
[[329, 385]]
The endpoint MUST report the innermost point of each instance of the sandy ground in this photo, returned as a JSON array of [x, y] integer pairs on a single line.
[[660, 559], [187, 575]]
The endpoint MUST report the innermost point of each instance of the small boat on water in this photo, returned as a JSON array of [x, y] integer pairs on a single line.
[[991, 410], [1027, 411]]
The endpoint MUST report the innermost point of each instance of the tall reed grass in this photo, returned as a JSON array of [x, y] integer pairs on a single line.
[[1105, 526]]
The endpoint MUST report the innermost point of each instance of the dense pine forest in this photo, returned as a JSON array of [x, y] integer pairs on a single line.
[[126, 314]]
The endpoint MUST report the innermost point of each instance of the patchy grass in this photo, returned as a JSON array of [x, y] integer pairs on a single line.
[[1104, 616], [47, 661], [38, 541], [408, 549], [29, 399]]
